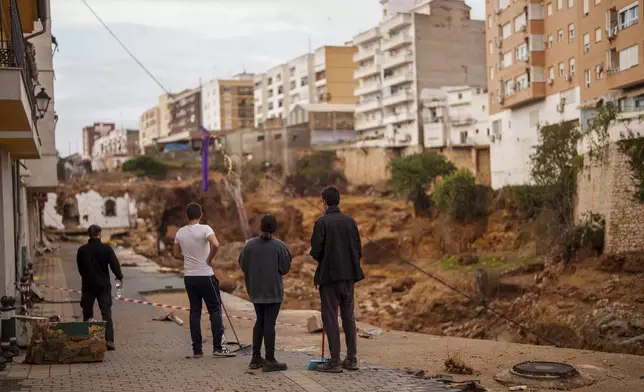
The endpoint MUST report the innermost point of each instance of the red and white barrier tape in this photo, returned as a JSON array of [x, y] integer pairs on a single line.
[[142, 302]]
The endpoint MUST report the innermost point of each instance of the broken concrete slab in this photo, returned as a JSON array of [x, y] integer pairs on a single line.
[[314, 324]]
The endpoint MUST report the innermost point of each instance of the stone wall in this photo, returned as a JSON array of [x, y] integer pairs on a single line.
[[609, 190], [366, 166], [476, 160], [92, 209]]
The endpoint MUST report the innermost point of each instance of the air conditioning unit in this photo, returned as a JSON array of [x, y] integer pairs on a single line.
[[550, 81]]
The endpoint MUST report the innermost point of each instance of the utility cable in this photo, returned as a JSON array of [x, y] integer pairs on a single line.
[[428, 274], [126, 49]]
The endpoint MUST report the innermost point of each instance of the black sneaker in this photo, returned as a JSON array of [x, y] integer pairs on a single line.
[[257, 362], [271, 365], [350, 364], [110, 346], [330, 367], [197, 355], [224, 353]]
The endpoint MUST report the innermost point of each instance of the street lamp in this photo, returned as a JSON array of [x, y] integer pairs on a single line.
[[42, 102]]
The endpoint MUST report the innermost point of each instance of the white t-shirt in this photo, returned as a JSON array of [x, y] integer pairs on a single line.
[[195, 248]]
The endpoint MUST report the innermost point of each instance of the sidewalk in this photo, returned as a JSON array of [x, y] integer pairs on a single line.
[[150, 355]]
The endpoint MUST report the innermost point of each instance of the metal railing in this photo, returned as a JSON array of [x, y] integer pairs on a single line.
[[13, 54]]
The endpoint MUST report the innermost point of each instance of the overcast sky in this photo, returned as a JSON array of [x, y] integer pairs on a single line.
[[180, 41]]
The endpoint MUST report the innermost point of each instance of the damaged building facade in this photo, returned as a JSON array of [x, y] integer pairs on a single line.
[[89, 208]]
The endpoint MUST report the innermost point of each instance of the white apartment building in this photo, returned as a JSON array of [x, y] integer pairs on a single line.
[[119, 142], [280, 88], [211, 105], [412, 49], [455, 117], [150, 126]]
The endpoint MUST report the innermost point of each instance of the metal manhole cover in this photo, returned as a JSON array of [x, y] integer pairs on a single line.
[[549, 370]]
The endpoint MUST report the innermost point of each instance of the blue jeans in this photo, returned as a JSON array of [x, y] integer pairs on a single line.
[[204, 289]]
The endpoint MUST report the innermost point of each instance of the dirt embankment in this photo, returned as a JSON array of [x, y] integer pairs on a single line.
[[595, 304]]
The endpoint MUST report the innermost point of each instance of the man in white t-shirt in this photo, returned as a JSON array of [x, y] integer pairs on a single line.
[[196, 245]]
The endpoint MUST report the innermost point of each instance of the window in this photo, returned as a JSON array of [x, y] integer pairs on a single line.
[[491, 73], [507, 59], [521, 52], [110, 207], [280, 90], [571, 3], [586, 42], [489, 21], [270, 106], [490, 47], [597, 2], [550, 40], [628, 16], [587, 78], [293, 84], [270, 81], [305, 81], [277, 136], [586, 6], [598, 34], [292, 71], [551, 73], [571, 66], [559, 4], [280, 103], [278, 77], [571, 32], [562, 70], [509, 87], [560, 36], [260, 138], [507, 30], [270, 92], [460, 95], [522, 82], [520, 22], [628, 58], [549, 9]]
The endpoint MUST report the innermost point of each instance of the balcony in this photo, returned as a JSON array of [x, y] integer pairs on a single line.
[[367, 36], [18, 131], [393, 80], [363, 124], [367, 88], [397, 22], [399, 136], [399, 118], [435, 134], [621, 79], [367, 70], [397, 98], [398, 59], [364, 54], [461, 121], [368, 106], [533, 92], [396, 41]]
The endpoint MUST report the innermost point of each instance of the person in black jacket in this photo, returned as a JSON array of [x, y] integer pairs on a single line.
[[94, 260], [335, 245]]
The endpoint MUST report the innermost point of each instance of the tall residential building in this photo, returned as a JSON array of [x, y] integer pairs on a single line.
[[91, 133], [325, 76], [228, 104], [185, 112], [417, 45], [150, 127], [548, 61], [27, 133]]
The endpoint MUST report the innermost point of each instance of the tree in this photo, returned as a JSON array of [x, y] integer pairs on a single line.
[[459, 196], [411, 174]]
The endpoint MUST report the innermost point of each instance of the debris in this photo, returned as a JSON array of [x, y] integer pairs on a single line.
[[129, 264], [469, 386], [314, 324], [167, 270], [454, 364], [169, 317], [518, 388], [370, 332]]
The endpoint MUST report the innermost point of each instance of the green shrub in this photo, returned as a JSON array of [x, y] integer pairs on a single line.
[[411, 174], [145, 166], [527, 198], [459, 196]]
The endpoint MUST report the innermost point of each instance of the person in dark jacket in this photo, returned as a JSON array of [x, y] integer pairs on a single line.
[[264, 261], [95, 260], [335, 245]]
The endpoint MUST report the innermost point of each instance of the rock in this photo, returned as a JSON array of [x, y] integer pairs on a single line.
[[314, 324], [64, 343], [402, 285]]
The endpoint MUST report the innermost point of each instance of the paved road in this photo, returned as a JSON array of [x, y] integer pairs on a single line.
[[150, 356]]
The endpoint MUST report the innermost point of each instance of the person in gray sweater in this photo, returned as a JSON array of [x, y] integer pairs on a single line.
[[265, 260]]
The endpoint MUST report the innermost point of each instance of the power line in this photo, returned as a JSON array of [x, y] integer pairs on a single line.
[[430, 275], [126, 49]]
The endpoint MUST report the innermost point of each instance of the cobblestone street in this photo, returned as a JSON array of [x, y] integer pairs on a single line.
[[150, 356]]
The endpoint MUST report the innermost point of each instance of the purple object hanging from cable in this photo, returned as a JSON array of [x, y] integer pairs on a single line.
[[204, 158]]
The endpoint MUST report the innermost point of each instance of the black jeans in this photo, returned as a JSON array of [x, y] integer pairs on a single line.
[[104, 297], [333, 295], [204, 289]]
